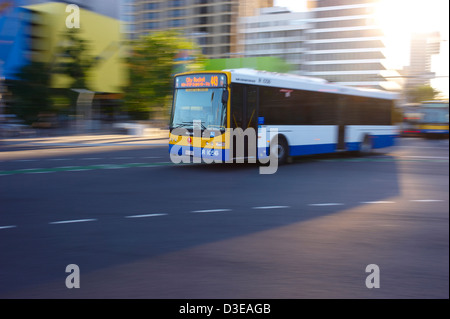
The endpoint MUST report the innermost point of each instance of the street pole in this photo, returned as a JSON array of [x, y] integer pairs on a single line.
[[2, 89]]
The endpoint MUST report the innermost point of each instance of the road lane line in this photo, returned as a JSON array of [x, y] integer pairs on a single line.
[[84, 168], [72, 221], [40, 172], [146, 215], [211, 210], [7, 227], [326, 204], [270, 207], [378, 202], [111, 166]]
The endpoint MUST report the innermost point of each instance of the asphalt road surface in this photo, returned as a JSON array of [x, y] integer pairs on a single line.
[[138, 226]]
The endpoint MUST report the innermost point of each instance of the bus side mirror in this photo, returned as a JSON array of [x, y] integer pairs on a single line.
[[225, 96]]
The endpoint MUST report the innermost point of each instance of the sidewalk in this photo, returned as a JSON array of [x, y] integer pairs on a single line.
[[149, 136]]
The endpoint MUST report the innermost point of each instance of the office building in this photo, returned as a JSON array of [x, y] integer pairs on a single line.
[[33, 31], [423, 47], [345, 44], [211, 23], [275, 32]]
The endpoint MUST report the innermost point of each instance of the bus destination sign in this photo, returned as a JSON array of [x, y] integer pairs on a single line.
[[203, 80]]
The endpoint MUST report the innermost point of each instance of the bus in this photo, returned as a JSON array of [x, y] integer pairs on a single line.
[[432, 120], [291, 115], [411, 117]]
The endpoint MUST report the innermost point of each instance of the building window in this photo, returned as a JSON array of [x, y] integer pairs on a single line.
[[151, 6], [176, 23], [151, 25], [176, 3]]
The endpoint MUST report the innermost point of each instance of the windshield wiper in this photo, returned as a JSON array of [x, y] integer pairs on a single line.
[[185, 124], [216, 126]]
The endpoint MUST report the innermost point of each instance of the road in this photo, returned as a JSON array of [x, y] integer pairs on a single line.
[[138, 226]]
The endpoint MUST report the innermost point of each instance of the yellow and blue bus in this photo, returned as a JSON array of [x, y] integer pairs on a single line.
[[291, 115], [433, 120]]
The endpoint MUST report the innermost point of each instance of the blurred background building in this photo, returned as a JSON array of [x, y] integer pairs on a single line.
[[211, 23], [33, 31], [423, 47], [337, 40], [110, 8], [345, 44], [276, 32]]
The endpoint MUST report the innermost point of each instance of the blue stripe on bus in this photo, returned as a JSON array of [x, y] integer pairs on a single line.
[[434, 131], [379, 141], [212, 154], [297, 150], [352, 146]]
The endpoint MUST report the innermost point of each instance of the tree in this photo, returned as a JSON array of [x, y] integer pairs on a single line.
[[73, 60], [152, 63], [422, 93], [31, 93]]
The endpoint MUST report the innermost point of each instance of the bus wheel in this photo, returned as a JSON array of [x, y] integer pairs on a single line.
[[280, 150], [366, 147]]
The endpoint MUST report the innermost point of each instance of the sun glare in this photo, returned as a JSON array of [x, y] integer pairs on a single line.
[[399, 19]]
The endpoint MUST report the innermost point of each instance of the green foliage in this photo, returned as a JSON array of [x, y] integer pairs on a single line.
[[422, 93], [73, 60], [31, 93], [151, 67]]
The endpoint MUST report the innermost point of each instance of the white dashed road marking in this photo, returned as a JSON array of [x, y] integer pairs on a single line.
[[378, 202], [146, 215], [211, 210], [6, 227], [326, 204], [73, 221], [227, 210], [270, 207]]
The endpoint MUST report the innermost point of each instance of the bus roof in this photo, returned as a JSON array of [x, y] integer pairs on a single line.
[[293, 81]]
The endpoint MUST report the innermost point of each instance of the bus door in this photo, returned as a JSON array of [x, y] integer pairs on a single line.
[[244, 112], [341, 121], [341, 137], [251, 120]]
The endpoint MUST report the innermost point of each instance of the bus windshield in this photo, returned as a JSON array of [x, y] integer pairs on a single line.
[[435, 115], [199, 105]]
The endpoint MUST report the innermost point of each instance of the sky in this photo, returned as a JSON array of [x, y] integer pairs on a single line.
[[399, 18]]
